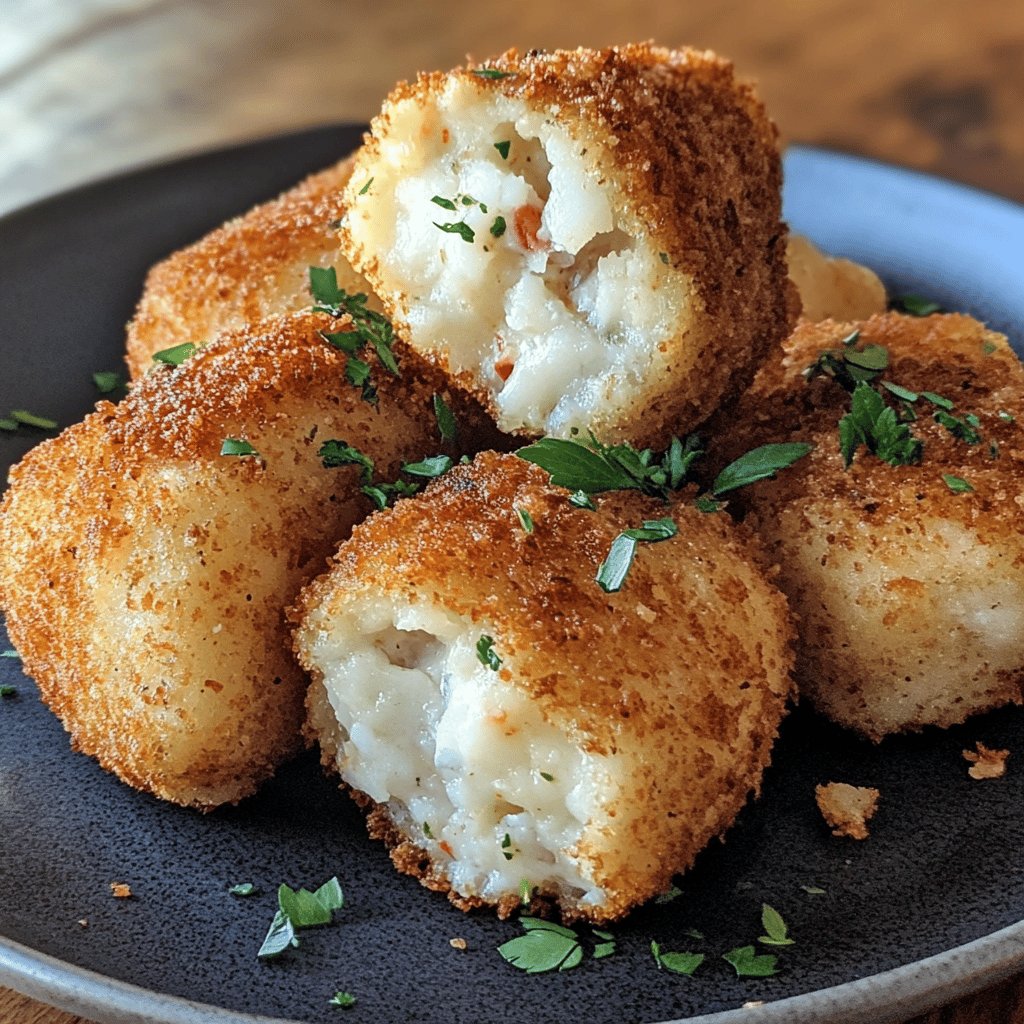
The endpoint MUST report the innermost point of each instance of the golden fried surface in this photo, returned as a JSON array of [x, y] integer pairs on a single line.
[[682, 675], [252, 267], [832, 288], [693, 162], [144, 575], [910, 596]]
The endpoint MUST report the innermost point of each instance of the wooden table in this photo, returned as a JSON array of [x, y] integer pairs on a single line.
[[95, 86]]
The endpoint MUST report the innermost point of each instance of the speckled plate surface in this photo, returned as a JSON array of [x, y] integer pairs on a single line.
[[926, 910]]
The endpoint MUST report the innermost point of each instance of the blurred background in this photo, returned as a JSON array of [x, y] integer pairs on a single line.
[[90, 87]]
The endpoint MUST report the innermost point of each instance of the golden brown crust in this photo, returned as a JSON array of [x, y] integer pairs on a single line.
[[847, 809], [143, 575], [695, 153], [252, 267]]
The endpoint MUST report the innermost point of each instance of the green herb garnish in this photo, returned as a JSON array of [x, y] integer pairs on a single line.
[[604, 948], [963, 428], [525, 892], [705, 504], [435, 466], [10, 653], [307, 909], [582, 500], [547, 776], [759, 464], [957, 484], [243, 889], [525, 520], [1006, 417], [486, 654], [915, 305], [677, 963], [506, 844], [446, 424], [8, 424], [460, 228], [445, 204], [30, 419], [176, 354], [813, 890], [343, 999], [663, 256], [335, 453], [498, 227], [902, 393], [776, 933], [545, 946], [280, 937], [874, 424], [492, 73], [612, 572], [107, 381], [365, 188], [237, 446], [748, 963], [672, 893], [503, 148], [6, 692]]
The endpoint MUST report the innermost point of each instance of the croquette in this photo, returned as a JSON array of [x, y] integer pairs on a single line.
[[512, 725], [582, 239]]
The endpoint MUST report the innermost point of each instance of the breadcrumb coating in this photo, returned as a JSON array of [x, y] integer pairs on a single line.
[[909, 594], [649, 280], [847, 809], [144, 575], [668, 743], [253, 267]]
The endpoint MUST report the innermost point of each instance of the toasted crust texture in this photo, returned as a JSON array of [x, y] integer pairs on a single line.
[[681, 730], [253, 267], [689, 161], [144, 576], [909, 595]]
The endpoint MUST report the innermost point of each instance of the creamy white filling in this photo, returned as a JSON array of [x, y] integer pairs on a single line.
[[466, 764], [556, 315]]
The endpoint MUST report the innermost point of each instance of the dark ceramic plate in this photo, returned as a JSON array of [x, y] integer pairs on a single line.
[[929, 908]]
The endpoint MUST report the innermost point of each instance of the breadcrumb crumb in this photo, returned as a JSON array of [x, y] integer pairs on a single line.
[[121, 890], [847, 809], [458, 943], [985, 762]]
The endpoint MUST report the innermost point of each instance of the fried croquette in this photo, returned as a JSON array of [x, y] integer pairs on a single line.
[[471, 683], [832, 288], [906, 579], [251, 268], [583, 239], [144, 575]]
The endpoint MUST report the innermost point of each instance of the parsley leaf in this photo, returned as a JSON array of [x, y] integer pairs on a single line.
[[498, 227], [176, 354], [672, 893], [759, 464], [962, 428], [243, 889], [237, 446], [486, 653], [525, 520], [445, 204], [1006, 417], [343, 999], [605, 947], [850, 365], [902, 393], [446, 424], [612, 572], [335, 453], [460, 228], [775, 928], [10, 653], [6, 692], [957, 484], [8, 424], [874, 424], [915, 305], [677, 963], [492, 73], [280, 937], [107, 381], [435, 466], [545, 946], [30, 419], [748, 963], [503, 148], [580, 499], [365, 188], [368, 326]]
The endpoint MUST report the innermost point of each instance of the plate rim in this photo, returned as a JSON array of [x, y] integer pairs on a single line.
[[895, 995]]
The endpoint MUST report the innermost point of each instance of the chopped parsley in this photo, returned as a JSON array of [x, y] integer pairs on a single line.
[[299, 909], [176, 354], [369, 328], [677, 963], [435, 466], [776, 932], [10, 653], [506, 844], [873, 423], [237, 446], [243, 889], [748, 963], [705, 504], [525, 520], [545, 946], [758, 464], [345, 1000], [1006, 417], [6, 692], [915, 305], [8, 424], [486, 654], [503, 147], [547, 776], [580, 499], [525, 892], [964, 428], [427, 830], [606, 946], [850, 365], [498, 227], [492, 73], [335, 453], [902, 393], [30, 419], [460, 228], [446, 424], [107, 381], [813, 890], [672, 893], [445, 204], [612, 572], [365, 188], [957, 484], [942, 403], [663, 256]]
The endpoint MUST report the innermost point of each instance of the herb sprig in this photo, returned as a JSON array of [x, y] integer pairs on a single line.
[[335, 453], [297, 909]]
